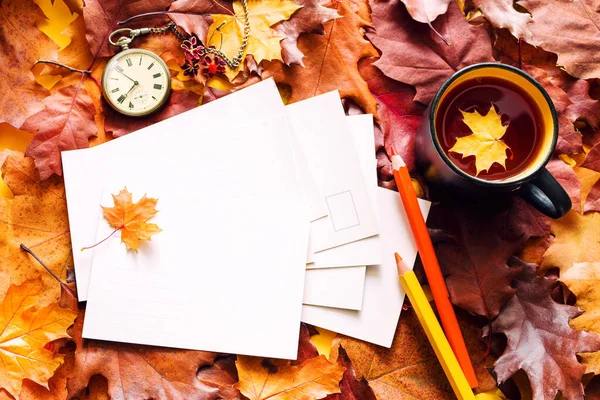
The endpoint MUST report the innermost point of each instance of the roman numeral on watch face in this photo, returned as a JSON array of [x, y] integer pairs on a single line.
[[121, 99]]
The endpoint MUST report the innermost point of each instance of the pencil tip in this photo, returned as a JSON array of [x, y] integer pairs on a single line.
[[401, 265], [393, 151], [398, 258], [397, 162]]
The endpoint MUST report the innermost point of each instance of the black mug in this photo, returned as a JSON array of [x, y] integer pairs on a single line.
[[534, 184]]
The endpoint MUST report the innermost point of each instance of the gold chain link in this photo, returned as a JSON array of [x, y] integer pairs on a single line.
[[233, 64], [171, 26]]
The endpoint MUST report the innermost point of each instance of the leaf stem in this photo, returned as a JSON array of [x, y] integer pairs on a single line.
[[63, 284], [82, 71], [103, 240]]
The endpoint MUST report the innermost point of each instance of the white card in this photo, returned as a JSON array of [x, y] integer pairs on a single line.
[[383, 297], [87, 171], [335, 287], [343, 287], [320, 125], [228, 256], [366, 251]]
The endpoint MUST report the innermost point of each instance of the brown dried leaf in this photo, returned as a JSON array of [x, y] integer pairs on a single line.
[[101, 19], [502, 14], [482, 239], [333, 62], [570, 30], [399, 117], [22, 44], [569, 140], [576, 239], [262, 378], [410, 369], [309, 19], [36, 217], [412, 53], [135, 371], [540, 340], [65, 124], [426, 11]]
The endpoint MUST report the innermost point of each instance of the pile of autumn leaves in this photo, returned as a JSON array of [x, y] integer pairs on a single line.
[[520, 278]]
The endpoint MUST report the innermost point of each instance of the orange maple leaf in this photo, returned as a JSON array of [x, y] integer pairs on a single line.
[[131, 219], [25, 331]]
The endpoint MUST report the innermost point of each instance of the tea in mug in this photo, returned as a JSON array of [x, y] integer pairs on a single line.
[[518, 113]]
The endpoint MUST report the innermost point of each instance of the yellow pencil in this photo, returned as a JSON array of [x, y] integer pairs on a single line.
[[434, 331]]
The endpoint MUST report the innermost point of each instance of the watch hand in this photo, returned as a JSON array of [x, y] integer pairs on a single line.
[[135, 83], [132, 80]]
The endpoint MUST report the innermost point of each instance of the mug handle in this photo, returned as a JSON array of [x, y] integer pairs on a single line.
[[545, 194]]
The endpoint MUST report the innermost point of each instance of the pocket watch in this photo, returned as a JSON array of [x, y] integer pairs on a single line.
[[135, 82]]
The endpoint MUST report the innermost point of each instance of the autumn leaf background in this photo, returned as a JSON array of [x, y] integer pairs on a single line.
[[515, 276]]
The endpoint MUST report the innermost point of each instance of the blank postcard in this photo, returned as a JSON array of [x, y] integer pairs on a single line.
[[226, 274], [383, 296], [87, 171], [322, 131]]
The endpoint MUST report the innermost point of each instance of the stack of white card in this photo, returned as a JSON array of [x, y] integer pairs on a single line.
[[270, 215]]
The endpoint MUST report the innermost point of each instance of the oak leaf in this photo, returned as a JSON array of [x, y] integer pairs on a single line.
[[426, 11], [25, 330], [132, 218], [584, 107], [261, 378], [568, 179], [481, 240], [576, 239], [399, 118], [333, 62], [309, 19], [410, 369], [592, 202], [592, 160], [118, 124], [412, 53], [351, 388], [540, 340], [569, 140], [37, 217], [577, 45], [22, 44], [101, 19], [485, 142], [194, 15], [65, 124], [582, 279], [227, 31], [502, 14], [139, 372]]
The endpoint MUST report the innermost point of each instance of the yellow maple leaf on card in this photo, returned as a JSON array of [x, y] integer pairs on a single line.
[[227, 31], [485, 143], [25, 330]]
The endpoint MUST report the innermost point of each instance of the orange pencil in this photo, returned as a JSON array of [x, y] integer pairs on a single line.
[[432, 267]]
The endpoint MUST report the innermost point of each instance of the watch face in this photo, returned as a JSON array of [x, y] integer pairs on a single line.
[[136, 82]]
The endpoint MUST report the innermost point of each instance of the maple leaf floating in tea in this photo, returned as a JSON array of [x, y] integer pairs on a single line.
[[131, 219], [485, 143], [25, 330]]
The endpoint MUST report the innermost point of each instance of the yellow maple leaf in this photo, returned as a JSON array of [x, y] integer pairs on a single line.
[[261, 378], [131, 219], [24, 331], [227, 31], [59, 17], [582, 279], [485, 142]]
